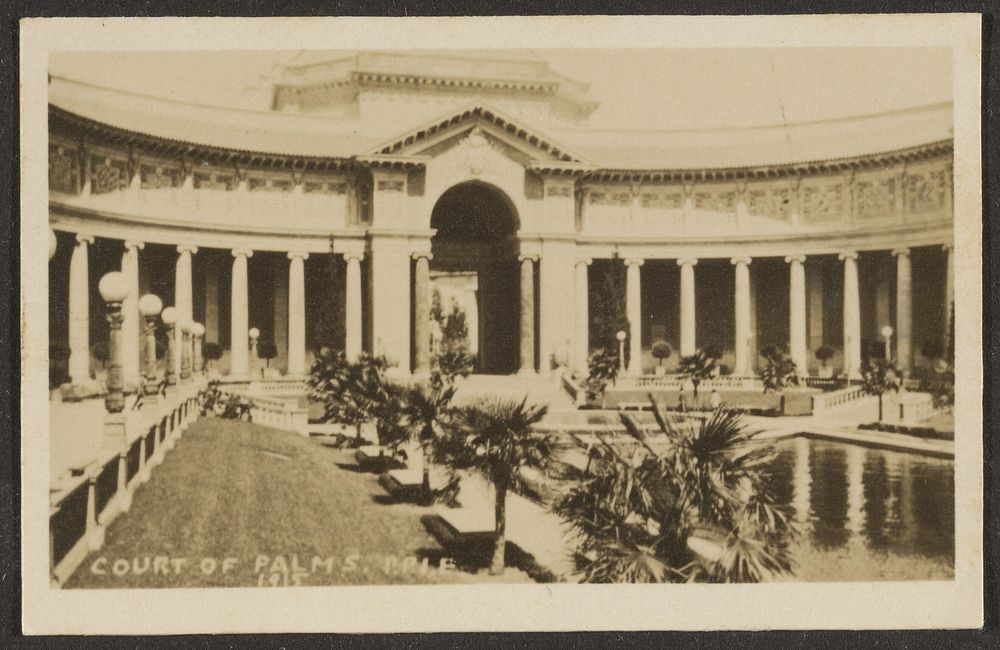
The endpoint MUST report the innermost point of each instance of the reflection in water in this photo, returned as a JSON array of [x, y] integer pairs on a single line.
[[874, 507]]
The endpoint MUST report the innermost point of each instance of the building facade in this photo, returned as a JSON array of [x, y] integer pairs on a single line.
[[327, 221]]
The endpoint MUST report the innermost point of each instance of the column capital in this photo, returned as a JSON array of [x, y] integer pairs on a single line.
[[187, 248], [302, 255], [82, 238], [134, 243], [848, 255], [634, 261], [528, 256], [902, 250], [426, 255], [801, 259], [687, 261], [740, 260], [354, 255], [242, 252], [585, 261]]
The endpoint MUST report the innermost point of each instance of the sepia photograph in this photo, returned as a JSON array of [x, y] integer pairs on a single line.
[[500, 316]]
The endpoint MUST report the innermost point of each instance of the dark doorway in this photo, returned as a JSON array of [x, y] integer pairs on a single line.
[[476, 243]]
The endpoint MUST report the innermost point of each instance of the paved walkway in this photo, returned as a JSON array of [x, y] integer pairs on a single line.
[[238, 504]]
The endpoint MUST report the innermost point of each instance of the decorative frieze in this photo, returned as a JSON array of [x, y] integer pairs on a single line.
[[269, 184], [64, 169], [215, 180], [662, 200], [822, 202], [715, 201], [108, 175], [926, 191], [313, 186], [564, 191], [874, 198], [154, 177], [771, 202], [391, 185]]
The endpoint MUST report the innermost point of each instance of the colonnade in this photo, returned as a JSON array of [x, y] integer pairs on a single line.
[[79, 309], [577, 331]]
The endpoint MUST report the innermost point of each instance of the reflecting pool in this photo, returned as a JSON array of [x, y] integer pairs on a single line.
[[867, 514]]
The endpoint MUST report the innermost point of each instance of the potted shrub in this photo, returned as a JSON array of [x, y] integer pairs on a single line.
[[267, 350], [211, 352], [661, 350], [824, 353]]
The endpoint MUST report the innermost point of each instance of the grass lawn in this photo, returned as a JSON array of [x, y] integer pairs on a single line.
[[238, 504]]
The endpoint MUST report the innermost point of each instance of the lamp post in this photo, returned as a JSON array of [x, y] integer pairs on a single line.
[[169, 318], [621, 350], [113, 288], [185, 326], [887, 335], [150, 307], [198, 334], [254, 334], [53, 243]]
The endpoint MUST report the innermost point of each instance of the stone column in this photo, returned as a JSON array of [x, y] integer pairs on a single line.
[[297, 313], [421, 313], [688, 333], [904, 310], [852, 316], [633, 310], [130, 314], [742, 342], [527, 313], [352, 310], [182, 291], [79, 312], [797, 312], [239, 360], [581, 307]]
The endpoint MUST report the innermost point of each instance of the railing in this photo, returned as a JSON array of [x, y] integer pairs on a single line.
[[280, 413], [577, 392], [825, 383], [82, 507], [676, 382], [912, 407], [824, 402]]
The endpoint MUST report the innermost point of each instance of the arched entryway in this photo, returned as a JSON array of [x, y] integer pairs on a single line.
[[474, 266]]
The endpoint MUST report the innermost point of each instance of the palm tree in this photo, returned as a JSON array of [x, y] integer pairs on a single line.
[[494, 437], [693, 508], [779, 372], [696, 367], [427, 412]]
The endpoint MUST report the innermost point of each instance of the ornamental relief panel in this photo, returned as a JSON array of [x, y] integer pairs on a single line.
[[610, 198], [822, 202], [108, 175], [926, 191], [662, 200], [206, 180], [717, 201], [266, 184], [775, 203], [155, 177], [64, 170], [875, 198], [313, 186]]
